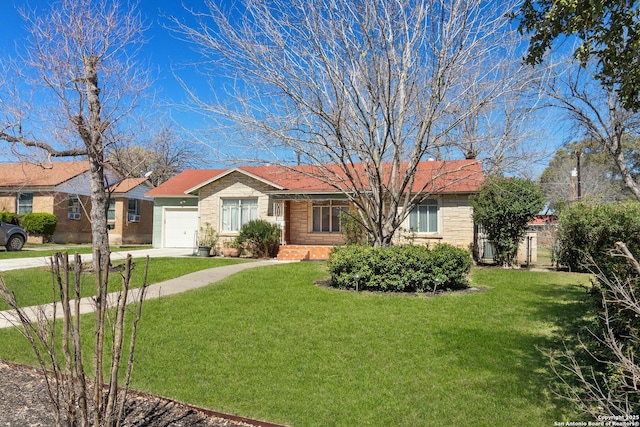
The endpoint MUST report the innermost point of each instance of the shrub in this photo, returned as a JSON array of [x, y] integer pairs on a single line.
[[260, 238], [588, 231], [40, 223], [9, 217], [399, 268]]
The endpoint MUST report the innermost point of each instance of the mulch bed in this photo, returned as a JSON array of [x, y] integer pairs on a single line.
[[24, 401]]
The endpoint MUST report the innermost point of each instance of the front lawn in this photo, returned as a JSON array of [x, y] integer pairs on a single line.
[[47, 250], [33, 285], [266, 343]]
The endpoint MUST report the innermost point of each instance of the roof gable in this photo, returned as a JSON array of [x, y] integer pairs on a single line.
[[178, 185], [127, 185]]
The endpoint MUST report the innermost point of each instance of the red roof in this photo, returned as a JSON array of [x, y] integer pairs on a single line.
[[176, 186], [457, 176], [40, 175]]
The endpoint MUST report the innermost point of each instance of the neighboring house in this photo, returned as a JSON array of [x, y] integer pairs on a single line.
[[546, 229], [306, 208], [62, 189]]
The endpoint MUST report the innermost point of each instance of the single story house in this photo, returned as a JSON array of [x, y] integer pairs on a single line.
[[62, 189], [305, 207]]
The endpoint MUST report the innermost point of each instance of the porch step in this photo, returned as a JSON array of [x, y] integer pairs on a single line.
[[303, 252], [292, 254]]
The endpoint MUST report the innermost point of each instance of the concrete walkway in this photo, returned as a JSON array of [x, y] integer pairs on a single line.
[[43, 261], [194, 280]]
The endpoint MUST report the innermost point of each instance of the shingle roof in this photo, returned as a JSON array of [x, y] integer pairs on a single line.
[[458, 176], [45, 175], [127, 184], [176, 186], [454, 176]]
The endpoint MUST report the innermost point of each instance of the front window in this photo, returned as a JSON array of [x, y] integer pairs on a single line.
[[132, 211], [111, 211], [326, 216], [73, 209], [237, 212], [25, 203], [424, 217]]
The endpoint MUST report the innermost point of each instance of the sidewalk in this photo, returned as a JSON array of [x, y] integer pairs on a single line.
[[43, 261], [184, 283]]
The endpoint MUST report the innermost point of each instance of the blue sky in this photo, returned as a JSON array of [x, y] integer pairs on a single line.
[[163, 52]]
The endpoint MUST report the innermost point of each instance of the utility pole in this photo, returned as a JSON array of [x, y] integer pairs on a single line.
[[579, 174], [574, 175]]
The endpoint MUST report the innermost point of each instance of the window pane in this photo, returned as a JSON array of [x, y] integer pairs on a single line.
[[335, 218], [74, 205], [422, 227], [317, 218], [325, 218], [25, 203], [413, 220], [433, 218], [111, 213], [248, 210], [132, 206], [230, 214]]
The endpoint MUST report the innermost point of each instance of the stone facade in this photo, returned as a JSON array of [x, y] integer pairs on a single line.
[[455, 224], [236, 185], [455, 215]]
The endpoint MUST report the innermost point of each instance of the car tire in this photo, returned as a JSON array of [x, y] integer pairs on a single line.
[[15, 243]]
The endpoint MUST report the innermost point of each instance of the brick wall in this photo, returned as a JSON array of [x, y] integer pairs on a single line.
[[300, 227]]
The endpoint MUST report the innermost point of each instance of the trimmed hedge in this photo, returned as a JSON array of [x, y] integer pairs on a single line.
[[399, 268], [40, 223], [10, 218]]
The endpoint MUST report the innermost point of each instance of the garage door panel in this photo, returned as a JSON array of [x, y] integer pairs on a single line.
[[180, 227]]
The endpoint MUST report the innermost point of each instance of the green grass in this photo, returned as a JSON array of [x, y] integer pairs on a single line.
[[266, 343], [46, 250], [33, 285]]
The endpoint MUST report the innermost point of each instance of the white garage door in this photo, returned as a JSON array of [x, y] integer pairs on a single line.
[[180, 228]]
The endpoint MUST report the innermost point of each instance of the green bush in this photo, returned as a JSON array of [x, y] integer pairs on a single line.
[[399, 268], [40, 223], [587, 232], [260, 238], [10, 218]]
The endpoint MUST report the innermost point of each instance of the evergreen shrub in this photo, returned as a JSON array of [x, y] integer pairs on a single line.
[[399, 268], [587, 232], [40, 223], [260, 238], [9, 218]]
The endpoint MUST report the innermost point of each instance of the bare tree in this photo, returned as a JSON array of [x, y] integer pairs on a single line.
[[75, 84], [611, 391], [164, 155], [597, 114], [78, 394], [364, 91]]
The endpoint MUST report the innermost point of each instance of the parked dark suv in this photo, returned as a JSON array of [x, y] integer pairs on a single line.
[[12, 236]]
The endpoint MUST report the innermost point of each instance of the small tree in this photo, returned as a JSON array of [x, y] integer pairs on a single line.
[[503, 207]]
